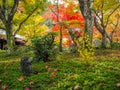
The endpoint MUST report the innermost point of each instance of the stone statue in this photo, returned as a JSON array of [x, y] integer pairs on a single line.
[[25, 65]]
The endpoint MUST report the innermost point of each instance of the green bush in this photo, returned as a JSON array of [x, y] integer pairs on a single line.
[[115, 45], [73, 48], [44, 47]]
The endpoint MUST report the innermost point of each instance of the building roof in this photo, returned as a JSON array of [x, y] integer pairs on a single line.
[[2, 33], [18, 38]]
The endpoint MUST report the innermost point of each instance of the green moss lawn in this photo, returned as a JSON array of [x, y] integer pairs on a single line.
[[67, 72]]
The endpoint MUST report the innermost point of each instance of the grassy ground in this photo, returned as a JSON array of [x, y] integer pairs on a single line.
[[65, 73]]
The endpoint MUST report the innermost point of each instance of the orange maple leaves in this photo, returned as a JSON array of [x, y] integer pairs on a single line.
[[53, 73]]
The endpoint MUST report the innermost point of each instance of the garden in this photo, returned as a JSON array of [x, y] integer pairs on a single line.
[[60, 45]]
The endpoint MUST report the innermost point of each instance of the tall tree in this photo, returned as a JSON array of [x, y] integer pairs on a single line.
[[86, 7], [70, 19], [104, 9], [8, 9], [113, 27], [57, 13]]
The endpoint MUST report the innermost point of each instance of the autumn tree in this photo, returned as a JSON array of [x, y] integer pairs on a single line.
[[69, 17], [113, 27], [33, 27], [104, 9], [8, 9], [55, 10]]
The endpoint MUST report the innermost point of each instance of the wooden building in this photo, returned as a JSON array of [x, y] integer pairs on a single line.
[[19, 40]]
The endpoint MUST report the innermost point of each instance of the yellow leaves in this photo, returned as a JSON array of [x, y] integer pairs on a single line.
[[105, 5], [31, 1], [97, 35], [9, 3], [35, 19], [85, 49], [32, 27], [18, 18], [43, 27], [33, 30], [38, 19]]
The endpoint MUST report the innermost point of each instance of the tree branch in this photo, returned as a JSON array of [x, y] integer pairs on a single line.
[[58, 10], [97, 15], [2, 28], [81, 2], [14, 9], [24, 21], [3, 5], [2, 12], [98, 26], [115, 25], [53, 12], [111, 14]]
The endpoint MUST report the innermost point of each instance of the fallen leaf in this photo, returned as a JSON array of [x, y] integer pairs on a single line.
[[55, 70], [4, 87], [21, 78], [76, 87], [31, 83], [0, 80], [27, 88], [6, 74], [49, 68], [46, 66], [118, 84], [72, 77], [53, 74], [101, 84]]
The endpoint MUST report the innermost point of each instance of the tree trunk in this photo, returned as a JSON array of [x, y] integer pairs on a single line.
[[60, 44], [89, 28], [86, 9], [72, 36], [104, 40], [74, 45], [10, 40], [111, 39]]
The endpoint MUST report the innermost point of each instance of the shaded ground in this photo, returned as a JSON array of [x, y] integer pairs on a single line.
[[65, 73]]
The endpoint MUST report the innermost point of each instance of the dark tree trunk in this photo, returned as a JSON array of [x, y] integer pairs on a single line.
[[104, 40], [60, 44], [10, 40], [86, 9]]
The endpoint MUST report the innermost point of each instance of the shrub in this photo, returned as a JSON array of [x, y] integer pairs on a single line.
[[73, 48], [97, 43], [115, 45], [85, 50], [44, 47]]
